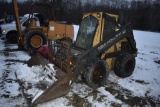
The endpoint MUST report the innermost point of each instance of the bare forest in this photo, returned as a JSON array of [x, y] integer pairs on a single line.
[[144, 15]]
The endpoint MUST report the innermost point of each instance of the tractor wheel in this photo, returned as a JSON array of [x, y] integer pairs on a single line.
[[67, 40], [12, 38], [34, 39], [96, 75], [124, 65]]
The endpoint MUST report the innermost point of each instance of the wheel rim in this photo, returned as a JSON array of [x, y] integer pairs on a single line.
[[129, 66], [99, 74], [36, 41]]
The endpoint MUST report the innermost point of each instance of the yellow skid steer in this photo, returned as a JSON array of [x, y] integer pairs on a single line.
[[102, 45]]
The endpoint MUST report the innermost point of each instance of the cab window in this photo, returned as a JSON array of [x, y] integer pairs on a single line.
[[109, 29], [86, 32]]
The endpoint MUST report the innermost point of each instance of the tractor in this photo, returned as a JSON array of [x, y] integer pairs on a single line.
[[35, 36]]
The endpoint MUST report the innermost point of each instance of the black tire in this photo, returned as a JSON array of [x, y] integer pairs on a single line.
[[97, 74], [124, 65], [33, 35], [13, 38], [67, 40]]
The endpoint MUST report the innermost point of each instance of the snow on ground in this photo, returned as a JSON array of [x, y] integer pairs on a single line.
[[9, 88], [36, 78], [142, 88], [76, 27], [145, 79]]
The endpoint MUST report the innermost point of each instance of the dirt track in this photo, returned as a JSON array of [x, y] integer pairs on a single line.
[[8, 79]]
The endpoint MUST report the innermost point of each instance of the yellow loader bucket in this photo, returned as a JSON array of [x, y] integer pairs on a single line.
[[60, 57]]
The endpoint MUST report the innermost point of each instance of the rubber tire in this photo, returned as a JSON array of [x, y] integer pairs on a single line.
[[28, 37], [124, 65], [13, 38], [88, 77], [20, 46], [67, 39]]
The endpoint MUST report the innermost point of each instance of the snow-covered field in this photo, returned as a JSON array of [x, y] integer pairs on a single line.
[[142, 88]]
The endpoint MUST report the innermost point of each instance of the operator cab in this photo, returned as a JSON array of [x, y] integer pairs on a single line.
[[86, 32], [91, 30], [94, 28]]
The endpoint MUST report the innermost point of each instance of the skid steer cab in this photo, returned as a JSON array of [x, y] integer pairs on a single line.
[[102, 45]]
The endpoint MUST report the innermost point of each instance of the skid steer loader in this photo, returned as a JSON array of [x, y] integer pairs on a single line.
[[102, 45]]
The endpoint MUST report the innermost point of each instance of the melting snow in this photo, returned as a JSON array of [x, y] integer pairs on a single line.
[[144, 82]]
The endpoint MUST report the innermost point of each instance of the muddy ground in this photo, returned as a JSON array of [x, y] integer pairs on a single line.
[[8, 78]]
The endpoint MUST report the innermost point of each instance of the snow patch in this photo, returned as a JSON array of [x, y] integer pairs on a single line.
[[36, 78]]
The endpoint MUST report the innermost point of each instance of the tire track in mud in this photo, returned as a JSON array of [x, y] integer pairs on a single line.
[[10, 91], [128, 98], [124, 95], [25, 96]]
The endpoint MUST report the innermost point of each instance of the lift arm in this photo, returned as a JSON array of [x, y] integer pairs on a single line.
[[18, 25]]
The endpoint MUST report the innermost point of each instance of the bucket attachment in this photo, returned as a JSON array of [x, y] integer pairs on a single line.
[[60, 88], [59, 55], [37, 60]]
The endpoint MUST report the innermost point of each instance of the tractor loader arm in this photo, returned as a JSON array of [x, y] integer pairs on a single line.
[[18, 25], [93, 53]]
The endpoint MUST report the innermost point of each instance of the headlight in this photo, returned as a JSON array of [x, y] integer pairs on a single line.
[[3, 31]]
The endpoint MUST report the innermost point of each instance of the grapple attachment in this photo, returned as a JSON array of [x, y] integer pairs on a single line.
[[59, 55]]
